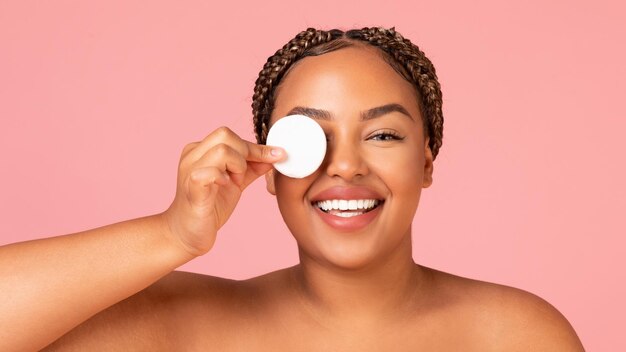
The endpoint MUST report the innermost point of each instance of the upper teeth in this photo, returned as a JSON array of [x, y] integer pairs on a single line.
[[344, 204]]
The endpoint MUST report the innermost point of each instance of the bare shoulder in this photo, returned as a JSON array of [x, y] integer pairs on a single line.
[[511, 319], [155, 318]]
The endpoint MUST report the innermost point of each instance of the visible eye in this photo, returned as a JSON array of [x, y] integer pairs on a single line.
[[386, 136]]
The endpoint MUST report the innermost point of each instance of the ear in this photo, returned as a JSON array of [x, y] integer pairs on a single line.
[[428, 165], [269, 182]]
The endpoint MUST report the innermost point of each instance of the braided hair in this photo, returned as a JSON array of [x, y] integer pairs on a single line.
[[405, 57]]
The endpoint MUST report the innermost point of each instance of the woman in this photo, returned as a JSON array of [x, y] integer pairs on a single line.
[[356, 288]]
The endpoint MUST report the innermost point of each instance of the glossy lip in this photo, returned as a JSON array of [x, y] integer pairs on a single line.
[[352, 223], [348, 224]]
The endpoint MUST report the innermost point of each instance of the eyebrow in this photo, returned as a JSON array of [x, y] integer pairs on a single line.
[[372, 113]]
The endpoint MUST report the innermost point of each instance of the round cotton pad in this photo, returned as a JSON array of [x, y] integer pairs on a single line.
[[304, 141]]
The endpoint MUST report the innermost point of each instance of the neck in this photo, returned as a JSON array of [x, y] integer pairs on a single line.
[[385, 287]]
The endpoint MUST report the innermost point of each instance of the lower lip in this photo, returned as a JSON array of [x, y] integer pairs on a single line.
[[349, 224]]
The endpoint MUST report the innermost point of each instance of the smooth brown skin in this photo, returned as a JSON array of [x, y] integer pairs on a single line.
[[356, 292]]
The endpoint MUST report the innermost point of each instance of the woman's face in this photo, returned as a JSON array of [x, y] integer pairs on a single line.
[[376, 151]]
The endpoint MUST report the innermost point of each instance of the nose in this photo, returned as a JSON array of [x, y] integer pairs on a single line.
[[344, 159]]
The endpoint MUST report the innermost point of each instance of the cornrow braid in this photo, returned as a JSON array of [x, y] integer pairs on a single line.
[[405, 57], [273, 71]]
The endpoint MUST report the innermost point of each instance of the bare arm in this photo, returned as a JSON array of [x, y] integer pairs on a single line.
[[49, 286], [52, 285]]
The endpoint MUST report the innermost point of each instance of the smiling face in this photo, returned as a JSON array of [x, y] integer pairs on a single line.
[[376, 151]]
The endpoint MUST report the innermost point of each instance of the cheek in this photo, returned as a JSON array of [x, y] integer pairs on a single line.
[[289, 189], [289, 196], [401, 169]]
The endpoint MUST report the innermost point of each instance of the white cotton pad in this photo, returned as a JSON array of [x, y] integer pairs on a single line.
[[304, 141]]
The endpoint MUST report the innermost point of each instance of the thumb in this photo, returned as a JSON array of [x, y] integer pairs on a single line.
[[254, 171], [264, 153]]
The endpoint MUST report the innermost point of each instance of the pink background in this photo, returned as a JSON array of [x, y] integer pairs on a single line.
[[97, 100]]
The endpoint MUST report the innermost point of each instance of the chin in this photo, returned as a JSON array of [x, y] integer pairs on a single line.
[[341, 257]]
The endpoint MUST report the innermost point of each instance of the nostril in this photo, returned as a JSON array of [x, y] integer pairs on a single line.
[[345, 167]]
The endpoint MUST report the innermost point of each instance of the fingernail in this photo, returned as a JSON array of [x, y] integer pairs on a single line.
[[275, 152]]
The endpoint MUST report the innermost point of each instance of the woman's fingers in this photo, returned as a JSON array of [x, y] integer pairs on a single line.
[[263, 153], [204, 184], [212, 175], [233, 164], [241, 160], [255, 170], [223, 157], [250, 151]]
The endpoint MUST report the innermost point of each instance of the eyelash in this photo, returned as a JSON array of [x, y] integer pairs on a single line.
[[394, 136]]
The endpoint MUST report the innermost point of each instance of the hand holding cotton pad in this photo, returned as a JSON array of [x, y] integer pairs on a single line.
[[304, 142]]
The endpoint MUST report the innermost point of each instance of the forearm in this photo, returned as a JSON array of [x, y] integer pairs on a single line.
[[51, 285]]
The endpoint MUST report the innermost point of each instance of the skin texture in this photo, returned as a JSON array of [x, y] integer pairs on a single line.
[[358, 291]]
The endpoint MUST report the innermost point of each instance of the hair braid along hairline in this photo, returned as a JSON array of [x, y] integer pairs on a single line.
[[424, 77], [272, 72], [405, 57]]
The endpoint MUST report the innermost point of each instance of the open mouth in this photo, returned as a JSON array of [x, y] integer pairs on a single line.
[[348, 207]]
